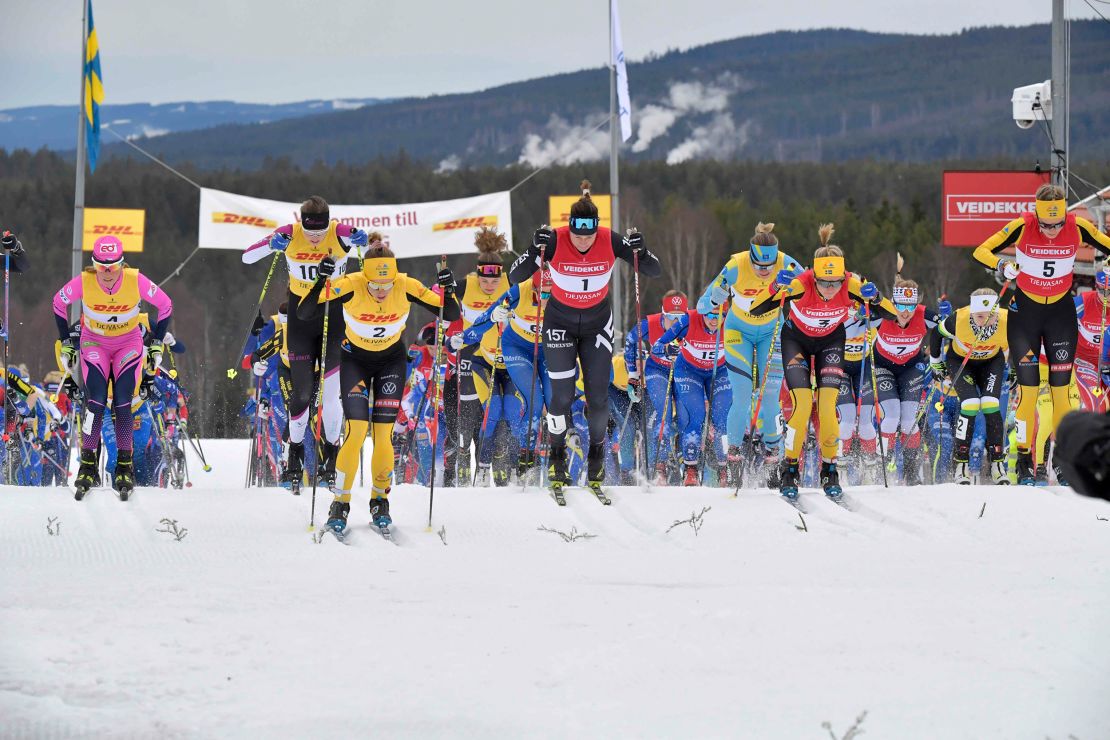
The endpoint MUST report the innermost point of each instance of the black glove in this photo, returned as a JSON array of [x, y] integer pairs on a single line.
[[10, 243], [326, 268], [543, 239], [446, 280], [636, 241]]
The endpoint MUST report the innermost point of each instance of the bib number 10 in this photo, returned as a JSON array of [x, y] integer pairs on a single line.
[[308, 272]]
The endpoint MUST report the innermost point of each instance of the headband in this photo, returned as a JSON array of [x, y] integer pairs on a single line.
[[380, 269], [315, 221], [1051, 209], [905, 294], [829, 268], [675, 304], [981, 303]]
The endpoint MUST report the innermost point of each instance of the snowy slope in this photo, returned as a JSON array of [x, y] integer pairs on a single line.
[[936, 621]]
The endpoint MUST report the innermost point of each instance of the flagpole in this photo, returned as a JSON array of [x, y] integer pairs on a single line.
[[79, 189], [614, 177]]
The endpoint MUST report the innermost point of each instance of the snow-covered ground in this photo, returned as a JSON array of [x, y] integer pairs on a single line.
[[937, 621]]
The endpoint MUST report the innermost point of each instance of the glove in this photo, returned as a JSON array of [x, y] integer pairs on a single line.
[[279, 241], [359, 238], [326, 268], [1106, 376], [869, 292], [260, 368], [10, 243], [455, 342], [154, 354], [168, 340], [1008, 269], [633, 389], [784, 278], [944, 308], [446, 280], [939, 368], [718, 294], [543, 239], [500, 314], [636, 241], [671, 350], [70, 355]]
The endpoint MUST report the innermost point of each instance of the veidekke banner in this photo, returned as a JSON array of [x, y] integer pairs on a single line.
[[231, 221], [978, 203]]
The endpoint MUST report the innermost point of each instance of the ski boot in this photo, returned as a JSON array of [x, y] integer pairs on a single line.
[[962, 474], [500, 477], [525, 461], [723, 478], [329, 454], [830, 481], [463, 474], [595, 471], [337, 516], [558, 478], [1024, 468], [735, 465], [911, 466], [87, 475], [123, 480], [483, 476], [1061, 479], [998, 473], [661, 475], [379, 512], [294, 469], [788, 479], [691, 478], [1041, 477]]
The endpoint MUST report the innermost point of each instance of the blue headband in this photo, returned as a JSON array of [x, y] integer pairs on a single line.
[[764, 256]]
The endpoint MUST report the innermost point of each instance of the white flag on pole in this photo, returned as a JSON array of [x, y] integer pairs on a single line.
[[624, 104]]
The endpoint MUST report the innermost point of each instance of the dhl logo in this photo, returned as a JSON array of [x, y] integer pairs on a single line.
[[309, 256], [235, 218], [114, 230], [108, 308], [377, 318], [750, 291], [466, 223]]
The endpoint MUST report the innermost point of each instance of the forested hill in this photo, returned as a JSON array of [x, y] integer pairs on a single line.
[[825, 95]]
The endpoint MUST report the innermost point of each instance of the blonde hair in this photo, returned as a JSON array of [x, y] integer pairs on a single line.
[[900, 283], [983, 291], [763, 235], [1048, 191], [824, 233]]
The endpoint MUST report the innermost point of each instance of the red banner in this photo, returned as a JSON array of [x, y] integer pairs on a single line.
[[978, 203]]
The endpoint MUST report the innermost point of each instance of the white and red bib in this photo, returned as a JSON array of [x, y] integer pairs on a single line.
[[654, 332], [581, 279], [900, 344], [813, 315], [1046, 264], [700, 347], [1091, 327]]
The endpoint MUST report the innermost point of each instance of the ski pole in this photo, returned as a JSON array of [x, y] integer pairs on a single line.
[[536, 359], [869, 355], [7, 281], [641, 357], [319, 400], [485, 414], [256, 316], [438, 388], [712, 383], [663, 416]]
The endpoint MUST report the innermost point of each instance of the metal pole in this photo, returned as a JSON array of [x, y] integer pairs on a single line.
[[79, 189], [1059, 121], [614, 178]]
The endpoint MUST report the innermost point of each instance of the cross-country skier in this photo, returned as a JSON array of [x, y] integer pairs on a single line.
[[578, 322], [975, 367], [111, 350], [1046, 242], [375, 303], [812, 340], [1091, 309], [304, 245]]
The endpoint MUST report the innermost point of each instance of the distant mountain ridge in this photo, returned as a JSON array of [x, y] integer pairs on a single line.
[[820, 95], [55, 126]]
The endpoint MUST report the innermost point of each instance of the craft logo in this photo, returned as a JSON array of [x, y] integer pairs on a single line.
[[219, 217], [466, 223]]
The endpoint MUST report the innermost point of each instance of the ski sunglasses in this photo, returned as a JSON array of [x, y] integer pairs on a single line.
[[583, 226], [1050, 227], [489, 270], [830, 283], [379, 286], [108, 266], [906, 306]]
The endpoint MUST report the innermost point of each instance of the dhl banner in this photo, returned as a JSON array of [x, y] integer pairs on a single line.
[[230, 221], [126, 223], [558, 207]]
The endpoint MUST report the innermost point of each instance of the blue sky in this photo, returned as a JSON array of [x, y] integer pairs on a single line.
[[280, 50]]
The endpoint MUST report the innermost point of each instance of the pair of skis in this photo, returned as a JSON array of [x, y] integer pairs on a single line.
[[559, 494], [384, 530]]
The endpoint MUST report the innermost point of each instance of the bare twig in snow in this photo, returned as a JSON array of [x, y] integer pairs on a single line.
[[567, 537], [695, 521], [53, 526], [802, 528], [854, 731], [982, 510], [1102, 518], [171, 527], [443, 534]]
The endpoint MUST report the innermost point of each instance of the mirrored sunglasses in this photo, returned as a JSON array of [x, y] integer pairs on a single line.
[[108, 267], [379, 286], [673, 316], [1050, 227], [906, 306], [489, 270], [583, 224], [830, 283]]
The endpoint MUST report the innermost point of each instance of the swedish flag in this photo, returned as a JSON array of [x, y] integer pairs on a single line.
[[94, 93]]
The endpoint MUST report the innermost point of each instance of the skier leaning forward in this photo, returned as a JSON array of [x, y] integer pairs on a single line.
[[372, 360], [111, 351], [304, 245], [578, 322], [820, 300]]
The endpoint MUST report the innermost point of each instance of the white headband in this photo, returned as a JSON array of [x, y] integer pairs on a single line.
[[904, 294], [980, 303]]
